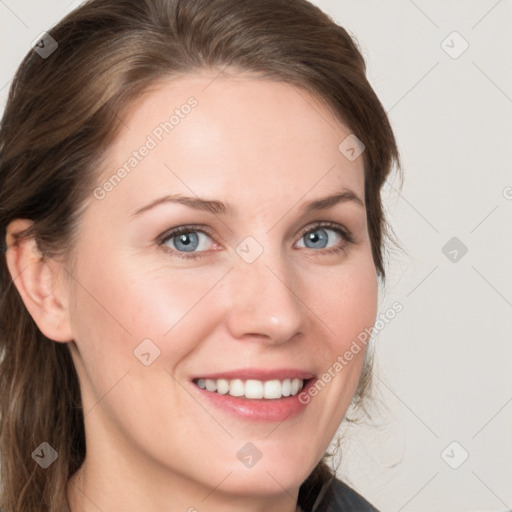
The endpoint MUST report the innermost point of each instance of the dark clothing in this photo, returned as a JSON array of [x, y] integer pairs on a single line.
[[336, 496]]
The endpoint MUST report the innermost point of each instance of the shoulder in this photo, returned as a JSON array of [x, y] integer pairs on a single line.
[[341, 497]]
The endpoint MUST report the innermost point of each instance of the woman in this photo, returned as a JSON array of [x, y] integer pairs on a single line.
[[191, 209]]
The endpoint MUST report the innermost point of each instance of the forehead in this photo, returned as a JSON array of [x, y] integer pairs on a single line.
[[222, 136]]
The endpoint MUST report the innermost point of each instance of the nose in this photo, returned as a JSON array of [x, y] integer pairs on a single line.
[[266, 305]]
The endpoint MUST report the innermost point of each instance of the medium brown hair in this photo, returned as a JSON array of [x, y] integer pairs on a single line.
[[64, 111]]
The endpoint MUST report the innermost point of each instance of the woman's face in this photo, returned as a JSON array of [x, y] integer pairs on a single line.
[[257, 288]]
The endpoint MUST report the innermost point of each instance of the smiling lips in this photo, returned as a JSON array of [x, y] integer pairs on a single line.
[[255, 394], [256, 383], [252, 388]]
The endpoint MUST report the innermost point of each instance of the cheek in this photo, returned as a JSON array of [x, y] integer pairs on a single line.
[[120, 308], [347, 303], [120, 304]]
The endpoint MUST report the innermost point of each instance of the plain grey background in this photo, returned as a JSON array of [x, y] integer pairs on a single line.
[[442, 433]]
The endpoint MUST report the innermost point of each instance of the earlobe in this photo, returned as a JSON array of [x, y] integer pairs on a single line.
[[36, 282]]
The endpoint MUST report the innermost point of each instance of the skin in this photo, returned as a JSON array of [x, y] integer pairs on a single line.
[[152, 444]]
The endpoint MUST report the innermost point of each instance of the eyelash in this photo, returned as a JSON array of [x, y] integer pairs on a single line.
[[344, 233]]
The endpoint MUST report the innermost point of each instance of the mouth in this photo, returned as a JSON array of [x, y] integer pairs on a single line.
[[257, 394], [253, 389]]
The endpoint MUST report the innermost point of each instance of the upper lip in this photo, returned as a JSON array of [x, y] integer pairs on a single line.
[[263, 374]]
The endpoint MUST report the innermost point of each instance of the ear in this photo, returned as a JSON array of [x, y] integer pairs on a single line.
[[35, 277]]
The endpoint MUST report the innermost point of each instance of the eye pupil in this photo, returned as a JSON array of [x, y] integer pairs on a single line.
[[318, 235], [188, 241]]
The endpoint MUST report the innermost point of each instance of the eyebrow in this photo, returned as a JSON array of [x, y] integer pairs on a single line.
[[226, 208]]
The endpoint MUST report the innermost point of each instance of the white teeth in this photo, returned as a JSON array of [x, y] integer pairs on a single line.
[[272, 389], [251, 388], [236, 387], [211, 385], [286, 387], [295, 386], [222, 386]]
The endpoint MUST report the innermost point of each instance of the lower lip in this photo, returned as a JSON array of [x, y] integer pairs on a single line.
[[270, 410]]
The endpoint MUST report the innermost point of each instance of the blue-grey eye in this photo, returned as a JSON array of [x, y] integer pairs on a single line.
[[318, 238], [187, 241]]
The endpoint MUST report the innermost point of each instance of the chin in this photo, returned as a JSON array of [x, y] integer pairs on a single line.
[[269, 478]]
